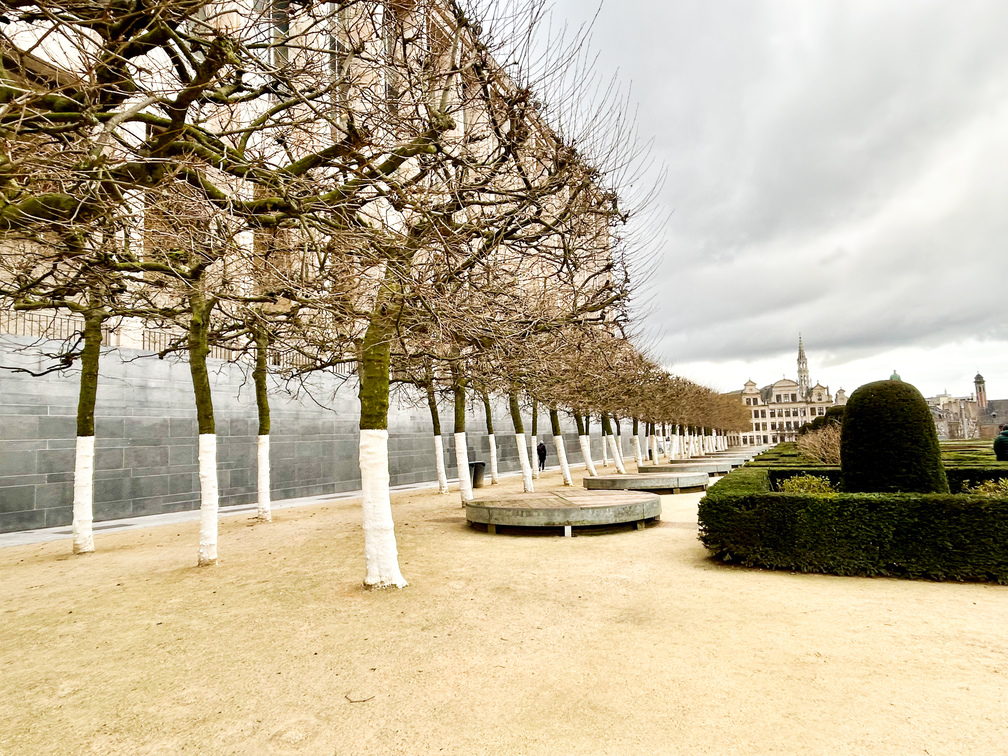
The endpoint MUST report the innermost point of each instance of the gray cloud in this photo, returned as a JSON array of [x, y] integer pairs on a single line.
[[838, 168]]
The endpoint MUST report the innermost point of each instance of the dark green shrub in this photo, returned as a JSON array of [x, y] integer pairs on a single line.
[[782, 454], [889, 441], [833, 415], [961, 477], [936, 536]]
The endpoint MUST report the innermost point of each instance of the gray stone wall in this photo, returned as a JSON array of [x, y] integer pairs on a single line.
[[146, 441]]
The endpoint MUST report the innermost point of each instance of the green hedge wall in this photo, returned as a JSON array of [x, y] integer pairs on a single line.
[[956, 474], [936, 536], [782, 454]]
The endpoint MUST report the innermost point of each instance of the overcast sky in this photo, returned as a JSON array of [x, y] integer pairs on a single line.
[[837, 168]]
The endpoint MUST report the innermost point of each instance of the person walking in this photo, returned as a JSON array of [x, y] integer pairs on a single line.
[[1001, 445], [541, 451]]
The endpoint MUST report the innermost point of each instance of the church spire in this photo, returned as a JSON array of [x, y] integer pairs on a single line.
[[803, 378]]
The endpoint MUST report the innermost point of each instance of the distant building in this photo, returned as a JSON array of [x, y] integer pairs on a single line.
[[780, 409], [973, 416], [955, 417], [991, 413]]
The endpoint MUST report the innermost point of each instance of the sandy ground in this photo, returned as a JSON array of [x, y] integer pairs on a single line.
[[624, 643]]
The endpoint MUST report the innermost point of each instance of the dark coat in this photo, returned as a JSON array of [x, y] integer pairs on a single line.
[[1001, 446], [541, 450]]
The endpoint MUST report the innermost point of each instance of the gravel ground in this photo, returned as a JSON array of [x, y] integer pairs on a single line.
[[622, 643]]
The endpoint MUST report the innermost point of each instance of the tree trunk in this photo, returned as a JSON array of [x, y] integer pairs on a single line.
[[558, 442], [534, 441], [653, 441], [461, 450], [381, 556], [636, 443], [608, 437], [494, 480], [265, 511], [519, 429], [585, 446], [199, 348], [83, 498], [439, 465]]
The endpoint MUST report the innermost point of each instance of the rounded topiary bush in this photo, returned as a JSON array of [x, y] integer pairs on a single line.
[[835, 414], [889, 442]]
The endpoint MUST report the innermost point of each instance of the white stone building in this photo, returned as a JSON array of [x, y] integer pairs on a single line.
[[955, 417], [780, 409]]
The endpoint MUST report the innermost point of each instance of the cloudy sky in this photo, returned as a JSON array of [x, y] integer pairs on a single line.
[[837, 168]]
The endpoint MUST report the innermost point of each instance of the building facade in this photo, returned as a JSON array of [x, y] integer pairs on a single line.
[[955, 417], [974, 416], [777, 411]]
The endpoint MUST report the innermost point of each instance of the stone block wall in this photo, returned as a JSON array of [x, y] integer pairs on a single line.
[[146, 441]]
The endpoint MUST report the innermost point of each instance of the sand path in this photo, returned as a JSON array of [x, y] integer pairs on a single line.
[[623, 643]]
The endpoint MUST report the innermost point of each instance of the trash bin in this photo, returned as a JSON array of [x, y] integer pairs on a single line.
[[476, 470]]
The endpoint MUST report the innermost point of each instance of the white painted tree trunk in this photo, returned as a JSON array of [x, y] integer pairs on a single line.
[[585, 443], [265, 510], [533, 444], [638, 458], [618, 453], [615, 454], [558, 442], [462, 462], [381, 557], [493, 460], [653, 441], [526, 468], [605, 452], [83, 496], [442, 476], [209, 499], [675, 446]]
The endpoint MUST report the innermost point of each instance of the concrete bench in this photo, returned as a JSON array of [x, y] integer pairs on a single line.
[[710, 467], [659, 483], [568, 509]]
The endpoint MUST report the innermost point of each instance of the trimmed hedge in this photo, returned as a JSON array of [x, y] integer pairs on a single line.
[[970, 455], [936, 536], [832, 415], [889, 441], [781, 454], [974, 474], [956, 475]]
